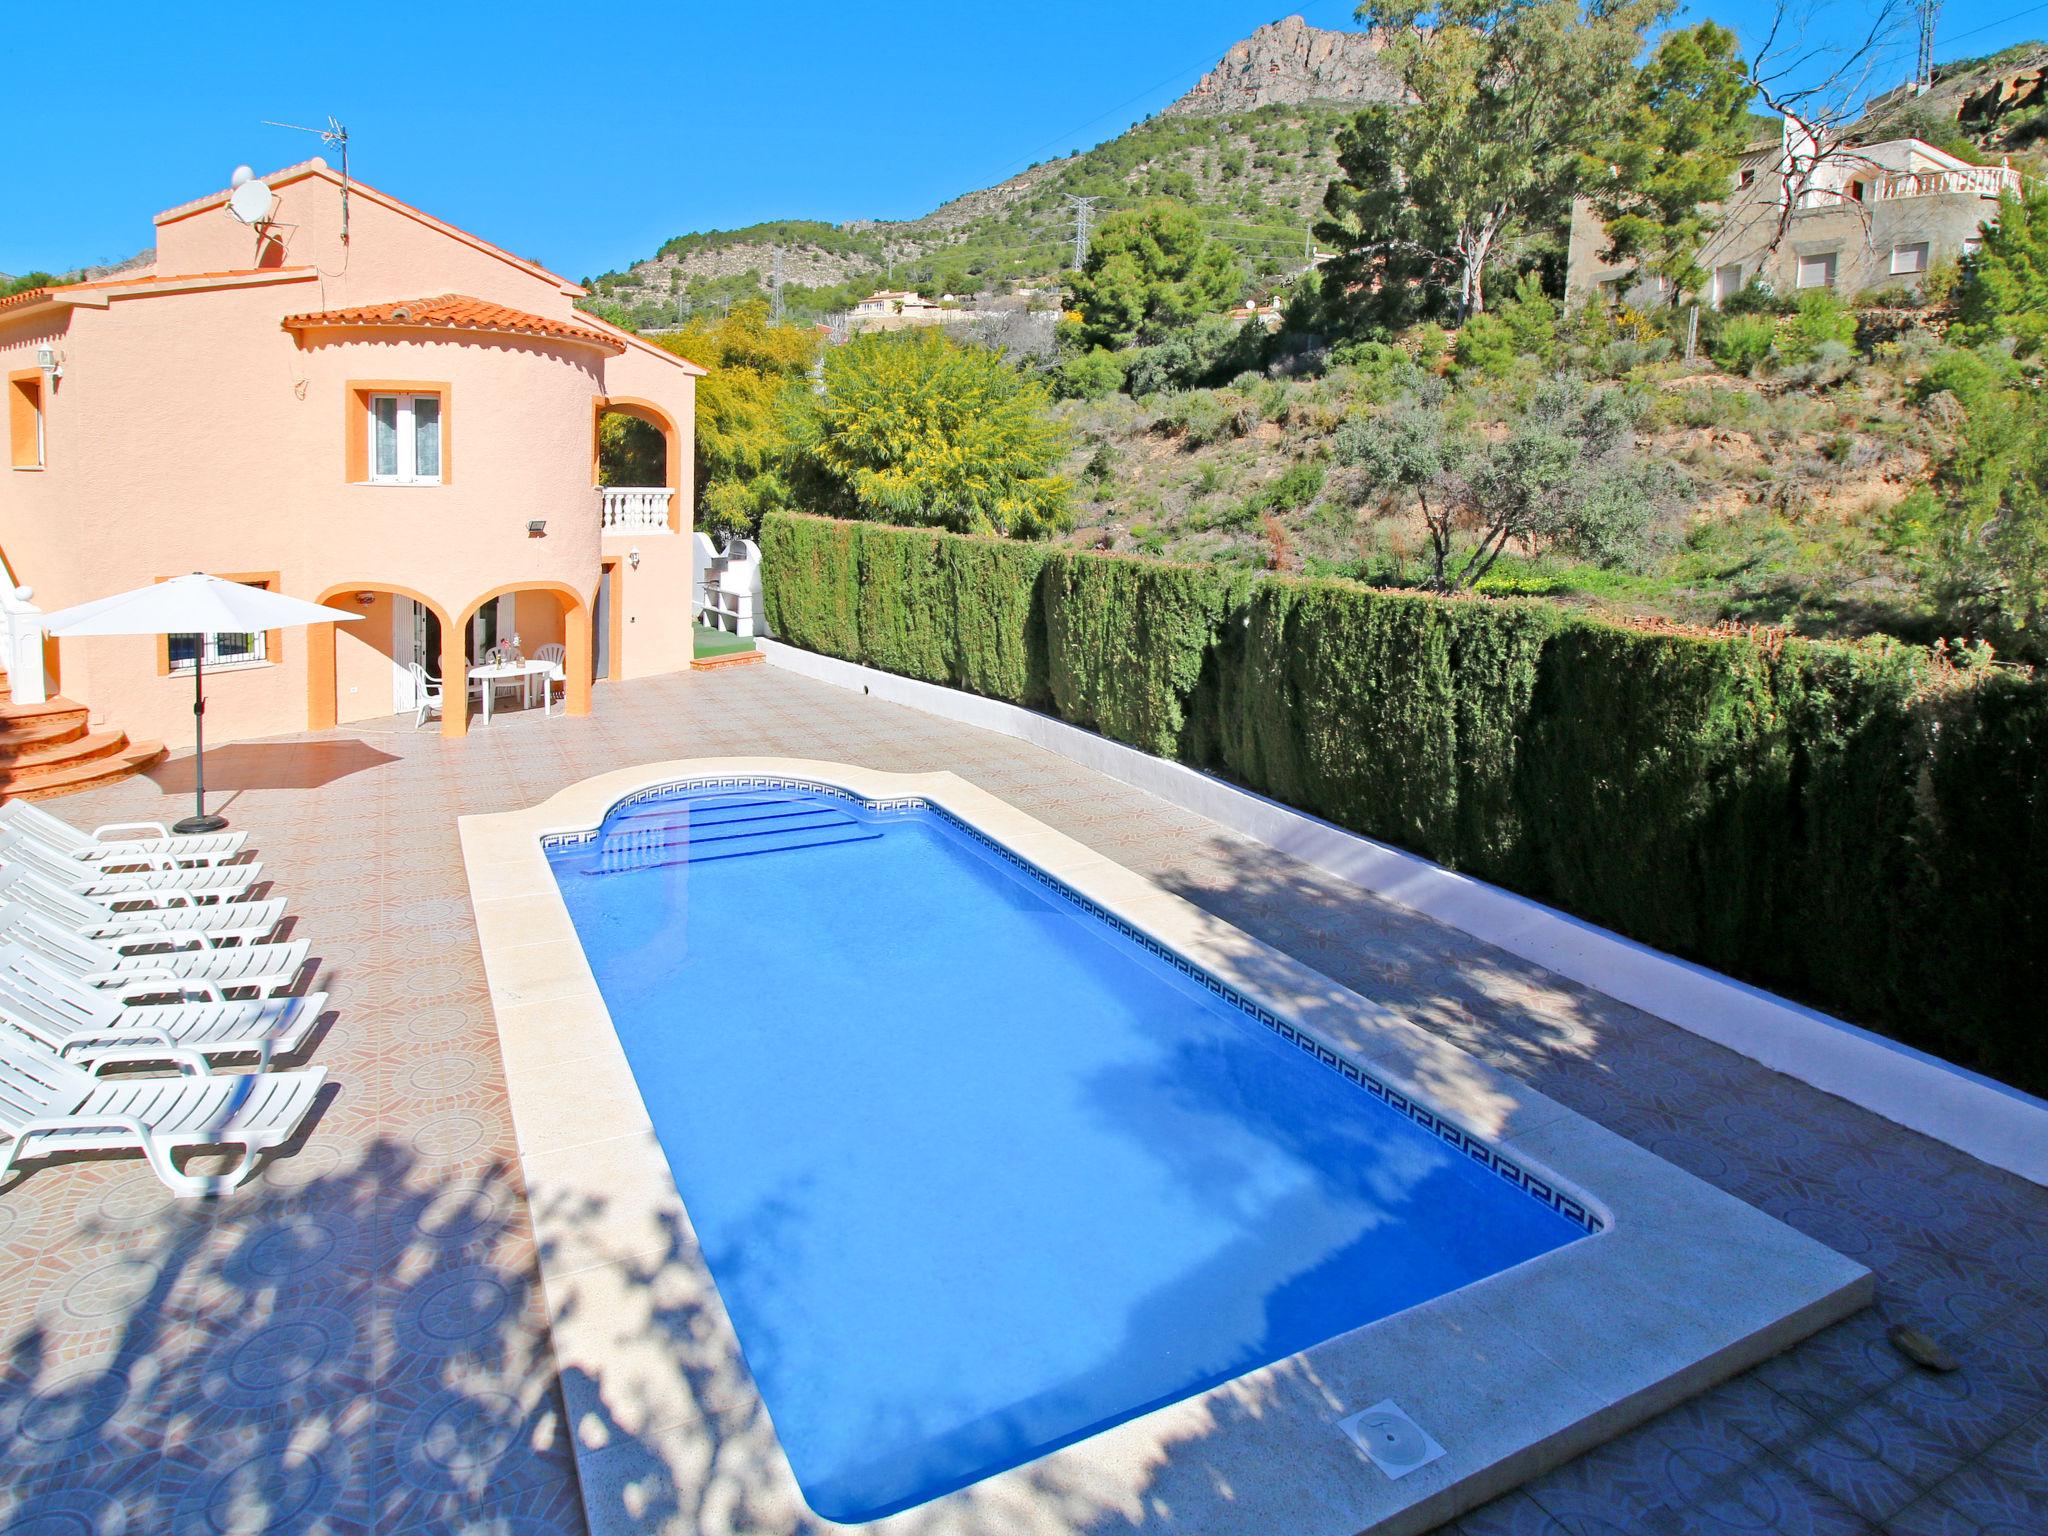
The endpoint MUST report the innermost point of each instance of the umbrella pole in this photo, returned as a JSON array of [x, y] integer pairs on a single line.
[[199, 821]]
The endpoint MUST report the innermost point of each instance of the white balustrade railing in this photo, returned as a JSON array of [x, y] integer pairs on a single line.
[[1979, 180], [21, 648], [634, 508]]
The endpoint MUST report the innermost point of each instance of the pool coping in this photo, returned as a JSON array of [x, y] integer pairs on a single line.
[[1512, 1375]]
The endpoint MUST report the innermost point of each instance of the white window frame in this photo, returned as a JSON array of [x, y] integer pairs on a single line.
[[223, 652], [1829, 261], [1925, 252], [407, 445], [1723, 290]]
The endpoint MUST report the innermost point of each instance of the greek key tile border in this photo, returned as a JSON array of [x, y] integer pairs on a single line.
[[1446, 1129]]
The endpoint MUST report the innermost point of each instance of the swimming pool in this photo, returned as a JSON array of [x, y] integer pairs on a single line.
[[977, 1170]]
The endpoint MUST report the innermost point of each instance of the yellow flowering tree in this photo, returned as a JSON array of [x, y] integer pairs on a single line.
[[915, 427]]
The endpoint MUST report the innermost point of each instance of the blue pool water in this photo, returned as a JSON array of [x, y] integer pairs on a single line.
[[975, 1174]]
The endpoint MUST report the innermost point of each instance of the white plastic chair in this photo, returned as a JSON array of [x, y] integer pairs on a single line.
[[429, 697], [98, 849], [50, 1108], [557, 657], [240, 922]]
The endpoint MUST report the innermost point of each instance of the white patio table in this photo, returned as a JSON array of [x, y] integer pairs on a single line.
[[528, 672]]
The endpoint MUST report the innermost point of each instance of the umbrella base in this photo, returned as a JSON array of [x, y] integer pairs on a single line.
[[193, 824]]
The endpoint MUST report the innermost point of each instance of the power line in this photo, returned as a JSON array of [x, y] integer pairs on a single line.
[[1954, 37]]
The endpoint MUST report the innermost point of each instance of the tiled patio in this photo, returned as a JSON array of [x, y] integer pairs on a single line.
[[355, 1342]]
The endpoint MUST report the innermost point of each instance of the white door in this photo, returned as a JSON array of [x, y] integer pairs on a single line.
[[494, 623], [408, 645]]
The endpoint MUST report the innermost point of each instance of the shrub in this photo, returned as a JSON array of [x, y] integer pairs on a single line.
[[1485, 347], [1756, 297], [1210, 350], [1091, 375], [1850, 824], [1199, 416], [1745, 343], [1819, 318]]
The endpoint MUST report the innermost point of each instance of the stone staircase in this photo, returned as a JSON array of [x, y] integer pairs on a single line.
[[49, 749]]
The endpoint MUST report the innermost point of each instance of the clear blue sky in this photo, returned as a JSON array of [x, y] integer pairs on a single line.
[[585, 145]]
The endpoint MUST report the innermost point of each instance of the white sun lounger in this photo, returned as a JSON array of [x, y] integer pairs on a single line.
[[50, 1108], [222, 882], [146, 840], [81, 1024], [267, 967], [239, 922]]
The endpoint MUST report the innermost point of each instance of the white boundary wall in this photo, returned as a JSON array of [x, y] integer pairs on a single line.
[[1972, 1113]]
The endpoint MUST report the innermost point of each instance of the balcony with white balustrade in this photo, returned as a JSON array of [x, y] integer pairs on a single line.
[[634, 510]]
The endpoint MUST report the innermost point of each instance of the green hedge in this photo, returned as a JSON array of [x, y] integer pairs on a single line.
[[1833, 822]]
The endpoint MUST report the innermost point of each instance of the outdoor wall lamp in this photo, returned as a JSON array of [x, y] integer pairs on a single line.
[[49, 362], [633, 557], [366, 599]]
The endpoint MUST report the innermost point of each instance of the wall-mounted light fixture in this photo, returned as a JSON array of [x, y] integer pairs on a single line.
[[366, 599], [633, 557], [49, 362], [537, 528]]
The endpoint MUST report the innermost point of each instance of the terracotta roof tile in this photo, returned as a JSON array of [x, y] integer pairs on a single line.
[[455, 312]]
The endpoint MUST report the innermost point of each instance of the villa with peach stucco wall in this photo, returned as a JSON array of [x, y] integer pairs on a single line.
[[352, 402]]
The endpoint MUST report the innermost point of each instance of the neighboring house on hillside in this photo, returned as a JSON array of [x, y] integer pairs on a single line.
[[1853, 217], [351, 401], [892, 309]]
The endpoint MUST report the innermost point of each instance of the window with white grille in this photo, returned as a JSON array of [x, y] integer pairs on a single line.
[[226, 650]]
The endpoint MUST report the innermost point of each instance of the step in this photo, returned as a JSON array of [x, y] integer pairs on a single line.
[[732, 659], [86, 775], [34, 762], [31, 736], [49, 709]]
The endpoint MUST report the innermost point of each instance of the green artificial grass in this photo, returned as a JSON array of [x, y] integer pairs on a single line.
[[716, 642]]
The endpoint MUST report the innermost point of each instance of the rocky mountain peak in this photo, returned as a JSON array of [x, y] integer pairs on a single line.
[[1291, 61]]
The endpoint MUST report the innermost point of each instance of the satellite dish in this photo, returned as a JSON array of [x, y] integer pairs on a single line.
[[251, 202], [242, 174]]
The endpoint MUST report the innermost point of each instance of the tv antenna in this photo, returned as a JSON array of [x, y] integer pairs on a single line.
[[334, 136]]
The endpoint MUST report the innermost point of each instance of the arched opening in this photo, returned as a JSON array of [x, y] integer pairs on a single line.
[[636, 462], [365, 670], [530, 615]]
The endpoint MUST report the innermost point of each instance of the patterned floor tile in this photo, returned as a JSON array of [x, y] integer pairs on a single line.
[[355, 1341]]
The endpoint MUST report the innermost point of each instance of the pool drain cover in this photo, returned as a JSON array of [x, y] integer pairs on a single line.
[[1395, 1442]]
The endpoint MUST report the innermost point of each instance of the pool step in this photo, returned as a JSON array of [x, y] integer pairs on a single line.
[[653, 839]]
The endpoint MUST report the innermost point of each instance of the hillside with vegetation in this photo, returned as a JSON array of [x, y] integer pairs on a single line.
[[1256, 178], [1422, 411], [1768, 485]]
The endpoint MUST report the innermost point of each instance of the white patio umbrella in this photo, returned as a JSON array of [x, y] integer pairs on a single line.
[[193, 605]]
